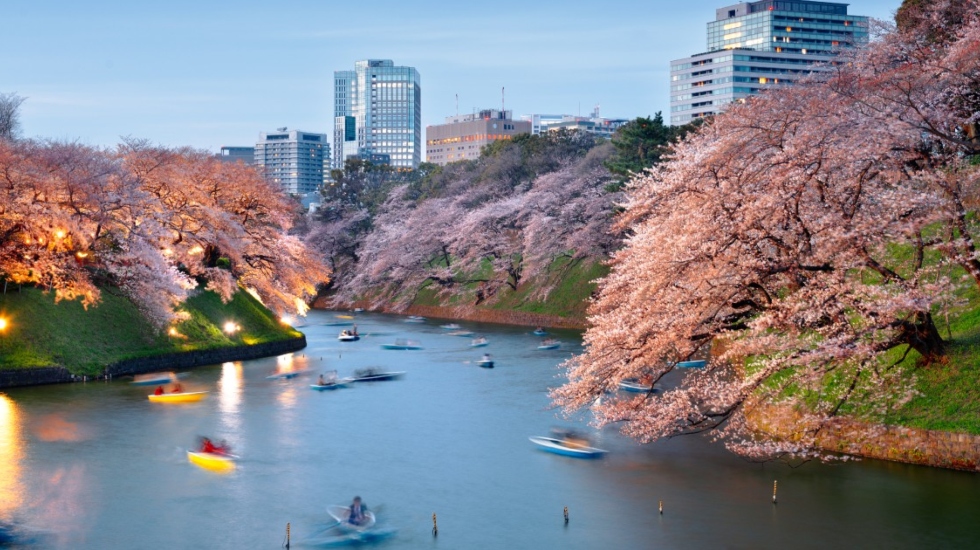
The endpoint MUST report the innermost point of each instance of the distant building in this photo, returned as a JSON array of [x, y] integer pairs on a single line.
[[293, 159], [463, 136], [593, 124], [753, 45], [245, 155], [378, 111]]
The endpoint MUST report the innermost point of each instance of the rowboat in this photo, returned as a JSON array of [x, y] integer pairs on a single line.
[[634, 386], [540, 332], [287, 374], [154, 379], [696, 364], [180, 397], [375, 375], [348, 336], [479, 343], [341, 513], [450, 326], [336, 385], [566, 448], [549, 344], [415, 319], [402, 345], [485, 363], [344, 316], [358, 309], [463, 333], [211, 461]]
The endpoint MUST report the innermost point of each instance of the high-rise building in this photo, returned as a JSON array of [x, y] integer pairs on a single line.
[[378, 111], [294, 160], [754, 45], [463, 136], [245, 155]]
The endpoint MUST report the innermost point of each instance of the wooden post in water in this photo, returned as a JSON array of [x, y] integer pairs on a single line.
[[435, 526], [566, 515], [774, 482], [287, 536]]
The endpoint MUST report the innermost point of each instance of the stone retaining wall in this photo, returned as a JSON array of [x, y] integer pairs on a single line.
[[957, 451], [157, 363]]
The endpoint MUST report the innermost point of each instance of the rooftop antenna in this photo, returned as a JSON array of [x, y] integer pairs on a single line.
[[502, 110], [457, 105]]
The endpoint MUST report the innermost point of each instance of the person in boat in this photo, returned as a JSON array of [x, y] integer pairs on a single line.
[[486, 358], [358, 512], [322, 381], [354, 333], [177, 388], [158, 391], [207, 446]]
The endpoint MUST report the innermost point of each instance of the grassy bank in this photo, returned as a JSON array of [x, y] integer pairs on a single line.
[[42, 333], [571, 283]]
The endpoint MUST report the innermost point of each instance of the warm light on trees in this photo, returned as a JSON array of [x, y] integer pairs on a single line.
[[150, 221], [805, 239]]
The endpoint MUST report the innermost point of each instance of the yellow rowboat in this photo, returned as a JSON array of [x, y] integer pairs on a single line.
[[344, 316], [180, 397], [211, 461]]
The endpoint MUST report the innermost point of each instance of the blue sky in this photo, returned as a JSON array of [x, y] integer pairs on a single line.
[[208, 74]]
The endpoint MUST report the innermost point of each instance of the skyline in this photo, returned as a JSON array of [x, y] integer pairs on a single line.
[[206, 76]]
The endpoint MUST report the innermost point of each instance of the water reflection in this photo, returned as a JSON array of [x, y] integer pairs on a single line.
[[230, 394], [11, 455]]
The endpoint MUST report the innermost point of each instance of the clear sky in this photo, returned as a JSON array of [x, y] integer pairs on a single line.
[[208, 74]]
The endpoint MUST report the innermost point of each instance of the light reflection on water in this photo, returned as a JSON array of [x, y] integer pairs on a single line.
[[11, 455], [449, 438]]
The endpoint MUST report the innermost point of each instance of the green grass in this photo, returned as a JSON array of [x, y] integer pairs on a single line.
[[42, 333], [574, 284]]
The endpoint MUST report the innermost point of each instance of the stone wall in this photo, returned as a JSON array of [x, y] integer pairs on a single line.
[[957, 451], [477, 314], [157, 363]]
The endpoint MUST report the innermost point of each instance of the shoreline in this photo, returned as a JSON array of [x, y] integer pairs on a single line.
[[55, 374], [468, 313]]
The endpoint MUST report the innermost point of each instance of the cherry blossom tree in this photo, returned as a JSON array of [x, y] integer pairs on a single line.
[[150, 221], [791, 242]]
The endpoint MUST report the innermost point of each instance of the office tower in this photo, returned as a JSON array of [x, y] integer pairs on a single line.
[[463, 136], [293, 159], [377, 113], [754, 45]]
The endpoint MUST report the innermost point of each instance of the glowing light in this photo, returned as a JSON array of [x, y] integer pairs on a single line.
[[287, 320], [230, 395], [4, 324], [195, 250], [173, 332], [81, 255], [168, 252], [231, 327], [60, 234]]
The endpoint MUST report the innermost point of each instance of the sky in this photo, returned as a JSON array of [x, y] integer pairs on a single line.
[[208, 74]]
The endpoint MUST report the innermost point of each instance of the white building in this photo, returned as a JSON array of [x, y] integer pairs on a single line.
[[295, 160]]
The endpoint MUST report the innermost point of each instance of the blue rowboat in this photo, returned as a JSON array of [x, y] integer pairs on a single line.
[[402, 345], [540, 332], [696, 364], [332, 385], [549, 345], [286, 375], [415, 319], [487, 364], [375, 375], [636, 387], [565, 448], [155, 379], [479, 343]]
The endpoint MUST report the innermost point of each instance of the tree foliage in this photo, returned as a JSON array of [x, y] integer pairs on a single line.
[[152, 221], [806, 236], [10, 115], [642, 143]]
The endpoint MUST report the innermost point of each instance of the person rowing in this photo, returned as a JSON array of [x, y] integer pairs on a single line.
[[358, 512]]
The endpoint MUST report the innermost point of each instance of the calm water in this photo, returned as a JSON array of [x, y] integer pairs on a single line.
[[98, 466]]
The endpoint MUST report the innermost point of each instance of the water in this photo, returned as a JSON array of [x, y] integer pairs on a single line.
[[98, 466]]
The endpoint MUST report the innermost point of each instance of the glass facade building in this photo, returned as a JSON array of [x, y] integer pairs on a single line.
[[751, 46], [378, 111], [294, 160]]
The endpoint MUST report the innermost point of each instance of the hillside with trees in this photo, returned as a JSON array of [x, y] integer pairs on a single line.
[[817, 243], [506, 230]]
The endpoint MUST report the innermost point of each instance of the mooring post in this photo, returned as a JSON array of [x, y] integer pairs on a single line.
[[774, 482], [566, 515], [435, 526], [287, 536]]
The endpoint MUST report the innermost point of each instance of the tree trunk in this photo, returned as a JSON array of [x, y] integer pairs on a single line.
[[921, 334]]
